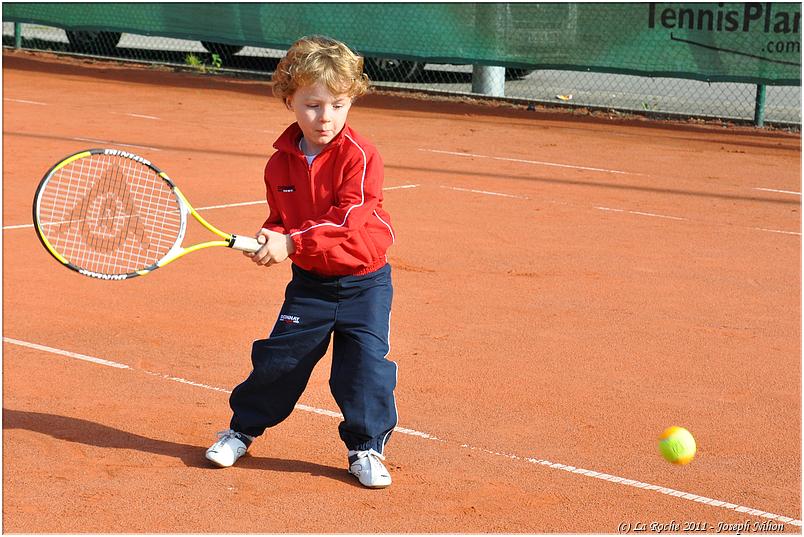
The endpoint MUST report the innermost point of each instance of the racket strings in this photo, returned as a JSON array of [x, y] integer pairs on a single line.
[[110, 214]]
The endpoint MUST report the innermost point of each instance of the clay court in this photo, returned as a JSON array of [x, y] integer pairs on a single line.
[[566, 286]]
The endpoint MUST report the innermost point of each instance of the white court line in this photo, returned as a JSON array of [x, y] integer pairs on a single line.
[[779, 191], [640, 213], [69, 354], [226, 206], [107, 142], [654, 215], [260, 202], [143, 116], [24, 101], [117, 365], [777, 231], [401, 430], [331, 414], [539, 162], [485, 192], [400, 187], [185, 381], [686, 220], [18, 226]]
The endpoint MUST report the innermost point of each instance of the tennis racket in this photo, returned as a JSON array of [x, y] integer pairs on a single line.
[[113, 215]]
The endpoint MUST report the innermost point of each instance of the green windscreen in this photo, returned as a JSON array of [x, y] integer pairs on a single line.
[[739, 42]]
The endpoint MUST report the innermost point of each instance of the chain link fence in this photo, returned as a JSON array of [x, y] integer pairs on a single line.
[[627, 93]]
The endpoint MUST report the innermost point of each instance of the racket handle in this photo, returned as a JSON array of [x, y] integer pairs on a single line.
[[246, 244]]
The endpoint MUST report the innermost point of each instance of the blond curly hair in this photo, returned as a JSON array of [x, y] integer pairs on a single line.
[[314, 59]]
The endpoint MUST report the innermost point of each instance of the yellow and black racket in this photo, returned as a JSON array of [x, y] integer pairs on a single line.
[[113, 215]]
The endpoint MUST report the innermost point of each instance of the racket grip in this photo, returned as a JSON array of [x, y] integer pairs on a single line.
[[246, 244]]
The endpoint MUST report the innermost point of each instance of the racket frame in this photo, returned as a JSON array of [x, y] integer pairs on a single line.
[[243, 243]]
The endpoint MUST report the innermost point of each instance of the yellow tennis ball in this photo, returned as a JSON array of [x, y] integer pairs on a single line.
[[677, 445]]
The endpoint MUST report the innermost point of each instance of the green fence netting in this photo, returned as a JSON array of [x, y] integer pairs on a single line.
[[732, 47]]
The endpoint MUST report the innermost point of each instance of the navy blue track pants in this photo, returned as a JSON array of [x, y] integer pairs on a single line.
[[357, 310]]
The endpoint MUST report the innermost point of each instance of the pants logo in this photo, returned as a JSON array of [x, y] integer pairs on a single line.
[[289, 319]]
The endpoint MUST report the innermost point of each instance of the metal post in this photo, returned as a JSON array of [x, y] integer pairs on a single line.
[[490, 27], [17, 35], [759, 106], [488, 80]]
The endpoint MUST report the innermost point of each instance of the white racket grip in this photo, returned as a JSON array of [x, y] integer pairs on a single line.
[[246, 244]]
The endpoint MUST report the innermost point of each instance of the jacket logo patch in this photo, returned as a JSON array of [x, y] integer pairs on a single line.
[[289, 319], [286, 188]]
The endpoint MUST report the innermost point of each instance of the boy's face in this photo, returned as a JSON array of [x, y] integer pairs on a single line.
[[320, 114]]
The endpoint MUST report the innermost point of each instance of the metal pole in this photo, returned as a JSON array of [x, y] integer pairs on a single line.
[[759, 106], [490, 26], [17, 35], [488, 80]]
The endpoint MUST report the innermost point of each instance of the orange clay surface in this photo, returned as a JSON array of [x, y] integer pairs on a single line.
[[566, 288]]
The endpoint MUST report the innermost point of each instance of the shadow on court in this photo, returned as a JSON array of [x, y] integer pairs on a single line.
[[467, 172], [98, 435]]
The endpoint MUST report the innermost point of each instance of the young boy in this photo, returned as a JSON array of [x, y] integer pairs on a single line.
[[324, 190]]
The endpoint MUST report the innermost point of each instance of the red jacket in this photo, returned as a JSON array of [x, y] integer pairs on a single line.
[[332, 209]]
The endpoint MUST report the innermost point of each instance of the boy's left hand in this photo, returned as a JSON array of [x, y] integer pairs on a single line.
[[276, 247]]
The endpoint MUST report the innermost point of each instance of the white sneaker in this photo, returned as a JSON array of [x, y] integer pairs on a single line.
[[230, 446], [369, 469]]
